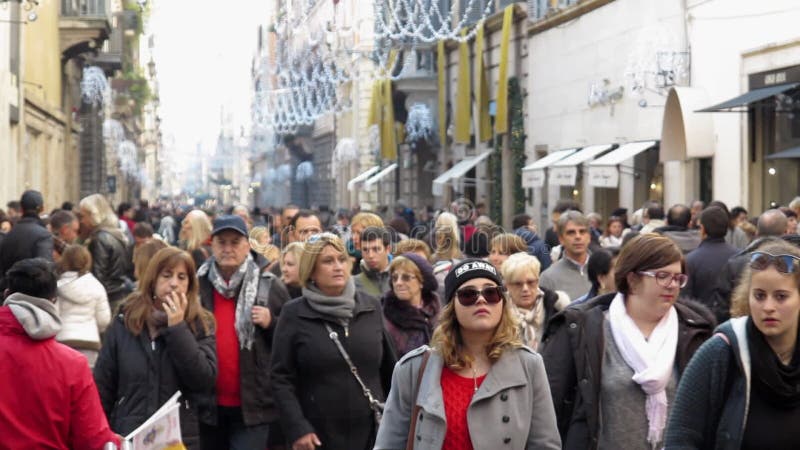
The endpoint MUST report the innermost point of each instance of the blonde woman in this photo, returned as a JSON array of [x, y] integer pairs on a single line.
[[112, 262], [195, 235], [290, 268], [504, 245], [320, 401], [534, 305], [447, 248], [477, 386]]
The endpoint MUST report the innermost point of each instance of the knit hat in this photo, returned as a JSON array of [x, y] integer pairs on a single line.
[[429, 282], [466, 270]]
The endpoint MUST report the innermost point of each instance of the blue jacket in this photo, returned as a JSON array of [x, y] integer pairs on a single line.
[[710, 407], [536, 246]]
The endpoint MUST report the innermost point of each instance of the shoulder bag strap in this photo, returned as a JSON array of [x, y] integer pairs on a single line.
[[415, 410], [373, 402]]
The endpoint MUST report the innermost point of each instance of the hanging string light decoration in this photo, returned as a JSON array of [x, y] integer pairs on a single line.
[[93, 85], [423, 21], [419, 125]]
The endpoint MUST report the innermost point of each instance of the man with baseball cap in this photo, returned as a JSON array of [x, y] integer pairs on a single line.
[[245, 300], [29, 238]]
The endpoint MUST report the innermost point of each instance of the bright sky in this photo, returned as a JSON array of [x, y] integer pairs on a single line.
[[203, 53]]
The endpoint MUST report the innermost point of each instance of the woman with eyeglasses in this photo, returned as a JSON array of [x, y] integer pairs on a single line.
[[741, 389], [325, 399], [614, 361], [477, 386], [533, 304], [411, 306]]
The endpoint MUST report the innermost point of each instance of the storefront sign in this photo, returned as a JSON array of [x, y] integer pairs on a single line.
[[533, 178], [563, 176], [775, 77], [603, 176]]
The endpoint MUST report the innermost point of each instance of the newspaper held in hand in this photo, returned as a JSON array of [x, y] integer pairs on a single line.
[[162, 431]]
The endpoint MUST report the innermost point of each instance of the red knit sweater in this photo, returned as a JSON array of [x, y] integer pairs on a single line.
[[457, 392], [228, 382]]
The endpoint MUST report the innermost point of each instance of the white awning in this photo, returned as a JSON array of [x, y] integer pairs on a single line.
[[603, 171], [565, 171], [378, 176], [361, 177], [533, 174], [457, 171]]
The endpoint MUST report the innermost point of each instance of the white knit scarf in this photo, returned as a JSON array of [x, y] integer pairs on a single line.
[[652, 360]]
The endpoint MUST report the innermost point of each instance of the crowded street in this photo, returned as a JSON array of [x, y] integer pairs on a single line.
[[399, 224]]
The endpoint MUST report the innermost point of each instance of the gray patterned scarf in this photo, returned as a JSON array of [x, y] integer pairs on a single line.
[[244, 282], [339, 308]]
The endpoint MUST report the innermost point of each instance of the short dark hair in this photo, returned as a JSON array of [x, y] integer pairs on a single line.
[[736, 210], [645, 252], [14, 204], [715, 221], [124, 206], [33, 276], [142, 230], [302, 214], [67, 206], [655, 211], [600, 264], [679, 216], [520, 220], [61, 218], [374, 233], [566, 205]]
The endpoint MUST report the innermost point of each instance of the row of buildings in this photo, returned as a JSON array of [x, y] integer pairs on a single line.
[[78, 100], [609, 102]]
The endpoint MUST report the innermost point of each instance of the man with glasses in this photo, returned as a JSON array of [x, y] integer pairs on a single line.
[[569, 274], [304, 224], [376, 249]]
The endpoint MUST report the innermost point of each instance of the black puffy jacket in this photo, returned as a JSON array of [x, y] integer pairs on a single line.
[[135, 375], [28, 239], [112, 263]]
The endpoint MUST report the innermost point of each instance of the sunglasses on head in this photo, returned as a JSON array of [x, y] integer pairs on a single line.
[[468, 296], [782, 263]]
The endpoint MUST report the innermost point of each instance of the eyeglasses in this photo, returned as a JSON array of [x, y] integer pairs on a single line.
[[468, 296], [519, 284], [665, 279], [782, 263], [406, 277]]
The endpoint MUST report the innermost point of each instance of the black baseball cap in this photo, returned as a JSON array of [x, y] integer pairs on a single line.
[[233, 223], [31, 200]]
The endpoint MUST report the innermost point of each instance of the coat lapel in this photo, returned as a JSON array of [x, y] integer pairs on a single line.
[[506, 373]]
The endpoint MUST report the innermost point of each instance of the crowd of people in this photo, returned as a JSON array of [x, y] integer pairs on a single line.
[[302, 329]]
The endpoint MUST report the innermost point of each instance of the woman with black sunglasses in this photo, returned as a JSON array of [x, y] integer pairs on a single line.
[[614, 361], [742, 387], [477, 386]]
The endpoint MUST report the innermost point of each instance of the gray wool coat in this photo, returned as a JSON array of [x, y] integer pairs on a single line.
[[512, 409]]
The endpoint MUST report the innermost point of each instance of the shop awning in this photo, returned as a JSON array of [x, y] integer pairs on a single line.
[[361, 177], [457, 171], [604, 171], [745, 100], [378, 176], [533, 175], [792, 153], [565, 172], [685, 133]]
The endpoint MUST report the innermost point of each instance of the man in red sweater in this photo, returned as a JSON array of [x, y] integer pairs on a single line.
[[246, 300], [48, 398]]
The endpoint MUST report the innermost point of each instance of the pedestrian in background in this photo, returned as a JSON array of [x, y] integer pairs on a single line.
[[613, 362], [195, 235], [290, 268], [477, 386], [82, 303], [29, 237], [325, 399], [160, 343], [740, 388]]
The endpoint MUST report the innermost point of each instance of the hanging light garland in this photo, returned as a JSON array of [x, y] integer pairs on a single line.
[[93, 85], [419, 125]]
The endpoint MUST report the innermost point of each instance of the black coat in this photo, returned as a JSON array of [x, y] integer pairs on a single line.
[[704, 265], [258, 406], [112, 263], [135, 376], [573, 347], [28, 239], [313, 385]]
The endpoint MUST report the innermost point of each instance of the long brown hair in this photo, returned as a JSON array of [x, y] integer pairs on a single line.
[[139, 305], [448, 342]]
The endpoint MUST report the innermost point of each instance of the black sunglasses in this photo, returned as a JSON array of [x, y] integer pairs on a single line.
[[468, 296], [782, 263]]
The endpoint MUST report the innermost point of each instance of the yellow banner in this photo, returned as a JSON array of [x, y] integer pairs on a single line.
[[388, 136], [482, 88], [441, 66], [463, 110], [501, 119]]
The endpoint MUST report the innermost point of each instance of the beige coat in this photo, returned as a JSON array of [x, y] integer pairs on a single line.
[[512, 409]]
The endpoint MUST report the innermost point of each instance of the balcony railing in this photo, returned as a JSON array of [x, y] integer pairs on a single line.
[[84, 8]]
